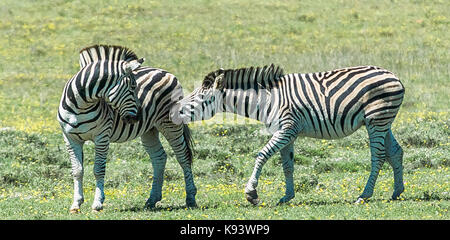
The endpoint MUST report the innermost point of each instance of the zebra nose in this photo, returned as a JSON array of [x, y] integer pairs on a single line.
[[130, 118]]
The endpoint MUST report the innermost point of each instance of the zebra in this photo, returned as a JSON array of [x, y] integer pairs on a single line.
[[114, 99], [323, 105]]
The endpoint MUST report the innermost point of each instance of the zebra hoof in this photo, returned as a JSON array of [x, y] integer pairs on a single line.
[[360, 201], [149, 205], [190, 203], [252, 197], [74, 210], [285, 199], [97, 206], [396, 194]]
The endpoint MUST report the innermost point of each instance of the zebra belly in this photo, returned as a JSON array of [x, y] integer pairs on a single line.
[[314, 134], [326, 129], [81, 127], [123, 132]]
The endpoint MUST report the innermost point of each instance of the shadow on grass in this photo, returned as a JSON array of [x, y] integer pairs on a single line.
[[167, 208], [424, 198], [164, 208]]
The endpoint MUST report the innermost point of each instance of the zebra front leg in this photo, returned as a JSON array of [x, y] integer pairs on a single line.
[[287, 158], [75, 149], [158, 156], [278, 141], [378, 156], [101, 151]]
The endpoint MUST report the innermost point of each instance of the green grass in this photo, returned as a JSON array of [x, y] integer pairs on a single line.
[[39, 53], [36, 182]]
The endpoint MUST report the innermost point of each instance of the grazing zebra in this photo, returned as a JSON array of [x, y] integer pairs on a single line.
[[113, 99], [325, 105]]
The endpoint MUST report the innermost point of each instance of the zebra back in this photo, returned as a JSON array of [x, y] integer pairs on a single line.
[[105, 52], [245, 78]]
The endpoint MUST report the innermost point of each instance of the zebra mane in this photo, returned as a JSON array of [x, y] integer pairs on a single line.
[[263, 76], [105, 52]]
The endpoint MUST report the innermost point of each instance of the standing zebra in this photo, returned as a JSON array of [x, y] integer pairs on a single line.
[[325, 105], [113, 99]]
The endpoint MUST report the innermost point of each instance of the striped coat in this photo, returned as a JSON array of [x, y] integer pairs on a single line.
[[102, 107], [324, 105]]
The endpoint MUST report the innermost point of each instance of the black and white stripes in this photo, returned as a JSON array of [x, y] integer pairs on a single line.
[[113, 99], [325, 105], [334, 104]]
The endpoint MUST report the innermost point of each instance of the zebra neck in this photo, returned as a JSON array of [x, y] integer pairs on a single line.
[[250, 103]]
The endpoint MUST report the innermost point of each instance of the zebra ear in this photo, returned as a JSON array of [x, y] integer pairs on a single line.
[[220, 81], [132, 65]]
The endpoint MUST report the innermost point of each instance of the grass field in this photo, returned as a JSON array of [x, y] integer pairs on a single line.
[[39, 53]]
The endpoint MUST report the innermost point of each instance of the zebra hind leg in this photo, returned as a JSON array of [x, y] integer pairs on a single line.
[[377, 135], [175, 135], [158, 156], [394, 155], [287, 157]]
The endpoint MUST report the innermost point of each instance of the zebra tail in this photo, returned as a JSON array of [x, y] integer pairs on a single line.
[[189, 141]]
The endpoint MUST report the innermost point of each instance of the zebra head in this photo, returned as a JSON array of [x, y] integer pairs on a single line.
[[203, 103], [122, 97]]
